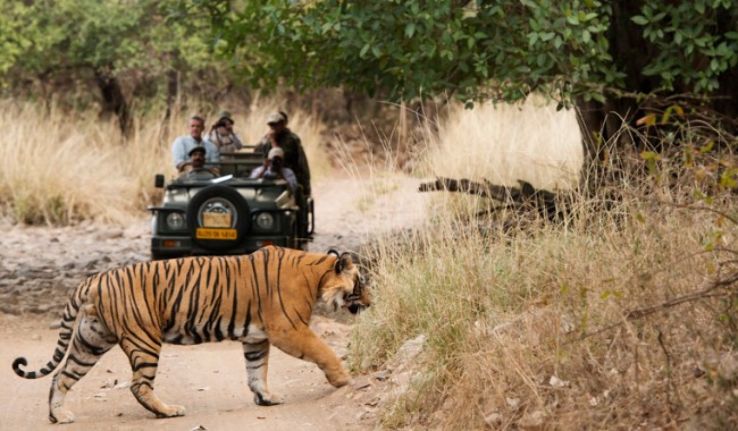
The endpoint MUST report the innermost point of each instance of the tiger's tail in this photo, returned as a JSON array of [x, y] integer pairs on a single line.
[[65, 337]]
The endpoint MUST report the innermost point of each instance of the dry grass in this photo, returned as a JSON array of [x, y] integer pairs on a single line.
[[534, 326], [505, 143], [62, 167]]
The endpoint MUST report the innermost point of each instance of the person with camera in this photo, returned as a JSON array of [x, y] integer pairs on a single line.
[[280, 136], [274, 168], [222, 135]]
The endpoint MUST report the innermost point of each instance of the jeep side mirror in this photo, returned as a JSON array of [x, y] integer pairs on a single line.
[[159, 181]]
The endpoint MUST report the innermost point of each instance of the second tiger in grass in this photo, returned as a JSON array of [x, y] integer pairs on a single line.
[[261, 299]]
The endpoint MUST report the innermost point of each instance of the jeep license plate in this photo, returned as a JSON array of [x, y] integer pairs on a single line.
[[209, 233]]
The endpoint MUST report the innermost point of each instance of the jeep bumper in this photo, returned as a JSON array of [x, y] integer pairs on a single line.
[[164, 247]]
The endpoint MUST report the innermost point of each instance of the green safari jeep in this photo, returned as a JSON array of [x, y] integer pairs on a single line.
[[230, 214]]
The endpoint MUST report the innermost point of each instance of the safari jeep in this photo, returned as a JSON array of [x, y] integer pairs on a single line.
[[231, 214]]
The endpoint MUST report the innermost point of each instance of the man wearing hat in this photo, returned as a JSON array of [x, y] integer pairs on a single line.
[[182, 146], [222, 135], [280, 136], [197, 170], [274, 168]]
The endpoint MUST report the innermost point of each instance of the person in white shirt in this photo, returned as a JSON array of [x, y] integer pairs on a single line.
[[273, 168], [182, 146]]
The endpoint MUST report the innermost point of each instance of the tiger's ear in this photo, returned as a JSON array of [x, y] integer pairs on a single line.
[[333, 251], [343, 262]]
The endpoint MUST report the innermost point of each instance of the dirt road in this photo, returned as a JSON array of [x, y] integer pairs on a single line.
[[209, 380], [39, 265]]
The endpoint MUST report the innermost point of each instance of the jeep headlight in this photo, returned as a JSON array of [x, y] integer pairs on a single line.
[[175, 221], [265, 221]]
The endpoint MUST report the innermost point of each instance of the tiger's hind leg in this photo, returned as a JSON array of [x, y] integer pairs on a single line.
[[144, 358], [257, 365], [91, 340]]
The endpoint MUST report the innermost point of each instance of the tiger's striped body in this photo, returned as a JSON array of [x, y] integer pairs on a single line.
[[260, 299]]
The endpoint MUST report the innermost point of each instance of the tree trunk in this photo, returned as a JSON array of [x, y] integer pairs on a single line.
[[631, 53], [113, 101], [728, 105], [600, 122], [172, 92]]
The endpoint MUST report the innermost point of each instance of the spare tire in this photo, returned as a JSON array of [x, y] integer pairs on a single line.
[[225, 210]]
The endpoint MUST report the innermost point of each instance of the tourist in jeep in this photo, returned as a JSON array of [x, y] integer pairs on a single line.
[[196, 170], [274, 168], [280, 136], [182, 146], [222, 135]]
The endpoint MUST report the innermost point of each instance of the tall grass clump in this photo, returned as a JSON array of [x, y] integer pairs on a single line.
[[61, 167], [58, 167], [504, 143], [622, 316]]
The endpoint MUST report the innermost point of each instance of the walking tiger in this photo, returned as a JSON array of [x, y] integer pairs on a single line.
[[262, 299]]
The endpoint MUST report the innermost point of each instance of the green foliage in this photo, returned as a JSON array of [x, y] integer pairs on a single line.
[[112, 38], [692, 51], [502, 49], [13, 41]]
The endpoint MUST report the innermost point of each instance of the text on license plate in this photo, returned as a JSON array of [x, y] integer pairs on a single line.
[[208, 233]]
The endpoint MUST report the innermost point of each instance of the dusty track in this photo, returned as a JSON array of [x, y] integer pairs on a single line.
[[40, 265], [209, 380]]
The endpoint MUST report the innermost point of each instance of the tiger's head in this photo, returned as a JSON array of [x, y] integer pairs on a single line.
[[344, 286]]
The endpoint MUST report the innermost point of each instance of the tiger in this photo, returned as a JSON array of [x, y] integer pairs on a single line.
[[261, 299]]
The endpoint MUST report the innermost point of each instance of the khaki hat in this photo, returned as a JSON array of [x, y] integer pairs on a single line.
[[275, 118], [275, 152], [225, 114]]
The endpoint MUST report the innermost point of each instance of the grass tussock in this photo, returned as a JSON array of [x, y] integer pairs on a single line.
[[61, 167], [504, 143], [611, 319]]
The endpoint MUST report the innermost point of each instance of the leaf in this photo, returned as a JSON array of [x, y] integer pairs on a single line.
[[647, 120], [410, 30], [639, 19], [728, 179], [364, 50], [649, 155], [598, 97], [673, 109]]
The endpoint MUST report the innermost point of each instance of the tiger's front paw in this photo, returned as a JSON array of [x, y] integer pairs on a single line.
[[267, 399], [341, 378], [171, 411]]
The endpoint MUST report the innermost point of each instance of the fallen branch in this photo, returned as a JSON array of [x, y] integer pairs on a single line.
[[524, 197]]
